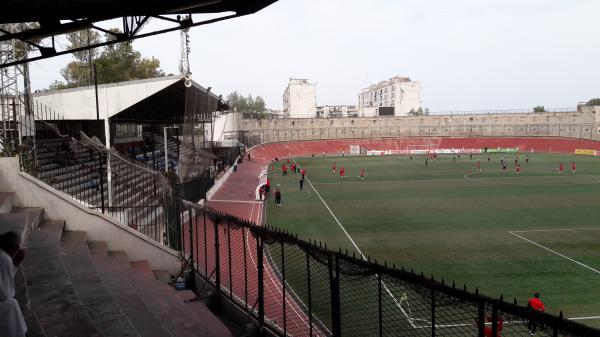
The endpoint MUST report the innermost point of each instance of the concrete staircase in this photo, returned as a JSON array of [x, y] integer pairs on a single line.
[[71, 286]]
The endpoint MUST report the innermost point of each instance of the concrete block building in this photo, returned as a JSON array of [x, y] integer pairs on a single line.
[[299, 99], [394, 97]]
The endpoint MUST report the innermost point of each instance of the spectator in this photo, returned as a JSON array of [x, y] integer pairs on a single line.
[[11, 256]]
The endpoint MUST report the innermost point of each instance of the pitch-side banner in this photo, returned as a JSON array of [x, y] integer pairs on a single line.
[[586, 152], [503, 150], [420, 151]]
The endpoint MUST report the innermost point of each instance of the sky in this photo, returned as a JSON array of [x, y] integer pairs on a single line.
[[467, 54]]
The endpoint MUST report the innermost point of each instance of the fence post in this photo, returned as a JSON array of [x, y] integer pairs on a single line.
[[380, 309], [310, 327], [229, 261], [334, 286], [217, 259], [481, 319], [191, 232], [245, 269], [283, 289], [261, 290], [101, 180], [494, 321], [432, 313]]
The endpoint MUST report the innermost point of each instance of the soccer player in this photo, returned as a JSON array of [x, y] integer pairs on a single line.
[[272, 168], [333, 168], [426, 164], [470, 156], [536, 304], [362, 174], [527, 159], [561, 168], [478, 166], [453, 158], [303, 172], [342, 172], [411, 157], [301, 183], [284, 169], [503, 167], [277, 197], [573, 168], [489, 158], [518, 169]]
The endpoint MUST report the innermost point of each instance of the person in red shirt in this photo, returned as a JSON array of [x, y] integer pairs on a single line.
[[487, 328], [293, 166], [284, 169], [268, 186], [561, 168], [536, 304], [518, 169], [478, 166], [272, 168], [303, 172], [362, 174], [342, 172], [573, 168], [333, 168]]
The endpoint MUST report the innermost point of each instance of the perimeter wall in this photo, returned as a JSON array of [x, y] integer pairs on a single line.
[[580, 125]]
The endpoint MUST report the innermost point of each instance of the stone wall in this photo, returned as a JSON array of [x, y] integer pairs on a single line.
[[573, 124]]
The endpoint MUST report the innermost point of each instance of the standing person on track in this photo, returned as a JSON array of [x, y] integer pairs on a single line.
[[342, 172], [277, 197], [362, 174], [249, 158], [333, 168], [268, 186], [536, 304], [303, 172], [478, 166], [561, 168], [573, 168]]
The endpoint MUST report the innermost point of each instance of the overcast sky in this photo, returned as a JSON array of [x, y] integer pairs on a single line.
[[467, 54]]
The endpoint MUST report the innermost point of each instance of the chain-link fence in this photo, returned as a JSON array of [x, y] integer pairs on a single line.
[[298, 288]]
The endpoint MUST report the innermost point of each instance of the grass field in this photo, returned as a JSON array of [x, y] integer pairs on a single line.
[[505, 234]]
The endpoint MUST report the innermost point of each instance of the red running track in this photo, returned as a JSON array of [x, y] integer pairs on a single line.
[[267, 152], [236, 197]]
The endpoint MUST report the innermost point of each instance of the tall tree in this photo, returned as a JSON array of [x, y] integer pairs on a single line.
[[114, 63], [249, 106]]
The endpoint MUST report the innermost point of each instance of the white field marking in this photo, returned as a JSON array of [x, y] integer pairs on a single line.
[[362, 256], [556, 253], [490, 180], [583, 318], [237, 201], [556, 230], [269, 274]]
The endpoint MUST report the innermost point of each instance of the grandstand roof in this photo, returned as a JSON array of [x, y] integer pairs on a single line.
[[160, 99]]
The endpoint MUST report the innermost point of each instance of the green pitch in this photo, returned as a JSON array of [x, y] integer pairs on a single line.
[[493, 230]]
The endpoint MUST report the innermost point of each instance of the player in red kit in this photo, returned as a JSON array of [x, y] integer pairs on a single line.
[[284, 169], [342, 172], [303, 172], [573, 168], [561, 168], [333, 168], [362, 174], [518, 169], [536, 304]]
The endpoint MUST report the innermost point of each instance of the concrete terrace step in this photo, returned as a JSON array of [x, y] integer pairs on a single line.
[[6, 202], [52, 294], [123, 292], [100, 305], [165, 305]]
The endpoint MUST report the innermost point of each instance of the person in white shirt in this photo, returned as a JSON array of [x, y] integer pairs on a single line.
[[11, 255]]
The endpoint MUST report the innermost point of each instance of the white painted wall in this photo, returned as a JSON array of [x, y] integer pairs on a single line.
[[80, 103], [31, 192], [300, 99], [407, 98]]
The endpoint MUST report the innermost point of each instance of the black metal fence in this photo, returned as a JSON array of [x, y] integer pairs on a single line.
[[299, 288]]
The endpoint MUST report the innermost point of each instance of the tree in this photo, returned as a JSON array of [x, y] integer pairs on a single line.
[[414, 112], [539, 108], [249, 106], [114, 63], [594, 101]]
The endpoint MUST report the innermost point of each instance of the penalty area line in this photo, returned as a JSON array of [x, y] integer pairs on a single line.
[[556, 253]]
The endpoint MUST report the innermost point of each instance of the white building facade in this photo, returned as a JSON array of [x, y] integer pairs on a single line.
[[394, 97], [337, 111], [300, 99]]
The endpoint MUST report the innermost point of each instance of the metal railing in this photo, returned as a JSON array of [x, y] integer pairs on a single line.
[[298, 288]]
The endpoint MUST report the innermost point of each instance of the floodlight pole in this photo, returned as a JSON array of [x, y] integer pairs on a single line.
[[96, 91]]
